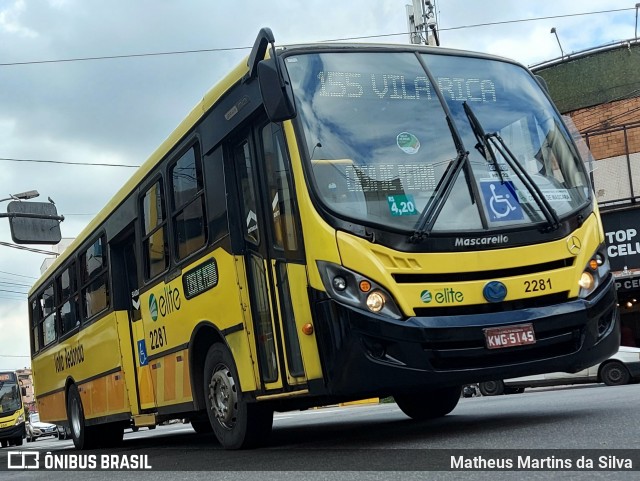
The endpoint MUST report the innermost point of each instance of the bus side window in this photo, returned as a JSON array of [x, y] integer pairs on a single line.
[[36, 316], [67, 300], [187, 204], [48, 324], [154, 241], [95, 288]]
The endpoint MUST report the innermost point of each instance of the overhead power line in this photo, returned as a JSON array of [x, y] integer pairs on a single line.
[[92, 164], [227, 49], [18, 275], [30, 249]]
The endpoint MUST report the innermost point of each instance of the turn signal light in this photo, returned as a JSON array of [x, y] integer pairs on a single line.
[[307, 329]]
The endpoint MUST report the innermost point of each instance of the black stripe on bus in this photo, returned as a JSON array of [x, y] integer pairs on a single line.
[[181, 347], [230, 330]]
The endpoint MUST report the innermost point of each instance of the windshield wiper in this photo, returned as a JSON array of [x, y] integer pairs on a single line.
[[436, 202], [549, 212], [484, 146]]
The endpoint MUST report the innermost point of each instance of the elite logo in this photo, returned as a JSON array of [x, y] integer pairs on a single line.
[[153, 307], [443, 296], [168, 302]]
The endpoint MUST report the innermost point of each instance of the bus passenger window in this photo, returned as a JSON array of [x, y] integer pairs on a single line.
[[36, 316], [95, 289], [156, 258], [67, 300], [188, 204], [47, 326]]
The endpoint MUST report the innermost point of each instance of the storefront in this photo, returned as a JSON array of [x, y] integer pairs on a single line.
[[622, 233]]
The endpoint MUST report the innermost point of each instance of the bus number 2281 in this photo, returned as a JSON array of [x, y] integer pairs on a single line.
[[158, 337]]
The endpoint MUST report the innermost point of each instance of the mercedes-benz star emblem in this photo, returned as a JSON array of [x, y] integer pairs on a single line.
[[574, 245]]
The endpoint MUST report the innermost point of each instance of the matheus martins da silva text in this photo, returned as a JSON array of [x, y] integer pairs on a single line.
[[547, 462]]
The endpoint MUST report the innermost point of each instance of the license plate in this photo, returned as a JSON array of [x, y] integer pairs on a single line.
[[509, 336]]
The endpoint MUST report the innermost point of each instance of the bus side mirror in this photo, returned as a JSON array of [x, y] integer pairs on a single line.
[[275, 88]]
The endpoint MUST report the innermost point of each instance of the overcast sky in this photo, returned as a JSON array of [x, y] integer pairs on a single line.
[[118, 111]]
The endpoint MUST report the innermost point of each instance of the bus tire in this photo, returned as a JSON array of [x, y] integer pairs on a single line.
[[236, 423], [109, 435], [429, 404], [17, 441], [201, 426], [83, 436], [492, 388]]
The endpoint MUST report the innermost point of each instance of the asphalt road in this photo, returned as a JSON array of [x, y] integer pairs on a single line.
[[380, 442]]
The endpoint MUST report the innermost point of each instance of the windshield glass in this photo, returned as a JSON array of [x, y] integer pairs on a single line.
[[379, 144], [10, 400]]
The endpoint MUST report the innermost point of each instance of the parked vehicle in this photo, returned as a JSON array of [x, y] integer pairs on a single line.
[[621, 368], [36, 429], [63, 432]]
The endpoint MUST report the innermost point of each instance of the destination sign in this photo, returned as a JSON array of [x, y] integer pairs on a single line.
[[355, 85], [200, 279]]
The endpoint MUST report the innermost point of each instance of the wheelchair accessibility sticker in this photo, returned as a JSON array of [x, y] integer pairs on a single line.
[[501, 201], [142, 353]]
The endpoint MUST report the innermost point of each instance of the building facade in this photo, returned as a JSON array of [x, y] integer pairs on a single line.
[[599, 91]]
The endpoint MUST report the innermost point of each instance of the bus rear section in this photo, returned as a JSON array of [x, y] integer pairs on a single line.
[[12, 420]]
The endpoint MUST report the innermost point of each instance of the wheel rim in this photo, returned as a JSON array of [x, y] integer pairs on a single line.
[[75, 418], [614, 375], [491, 387], [223, 396]]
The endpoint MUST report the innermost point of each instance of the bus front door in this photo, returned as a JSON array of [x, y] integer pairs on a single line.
[[274, 259], [126, 298]]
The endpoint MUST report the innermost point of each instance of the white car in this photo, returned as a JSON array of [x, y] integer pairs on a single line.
[[621, 368], [37, 429]]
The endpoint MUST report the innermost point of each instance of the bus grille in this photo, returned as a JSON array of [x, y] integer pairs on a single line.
[[483, 275], [474, 354]]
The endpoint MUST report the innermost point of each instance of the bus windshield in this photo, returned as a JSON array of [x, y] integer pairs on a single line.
[[380, 141], [10, 398]]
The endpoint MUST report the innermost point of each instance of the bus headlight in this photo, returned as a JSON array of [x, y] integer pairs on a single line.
[[375, 301], [353, 289], [596, 270], [20, 419]]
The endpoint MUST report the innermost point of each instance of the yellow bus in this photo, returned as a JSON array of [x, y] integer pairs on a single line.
[[12, 421], [330, 223]]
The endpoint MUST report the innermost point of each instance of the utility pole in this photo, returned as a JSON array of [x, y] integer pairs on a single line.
[[422, 22]]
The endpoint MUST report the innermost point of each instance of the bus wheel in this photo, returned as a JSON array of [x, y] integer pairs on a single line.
[[201, 426], [236, 423], [430, 404], [81, 435], [492, 388], [17, 441], [110, 435]]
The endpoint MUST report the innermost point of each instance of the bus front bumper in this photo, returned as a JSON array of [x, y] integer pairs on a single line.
[[17, 431], [365, 354]]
